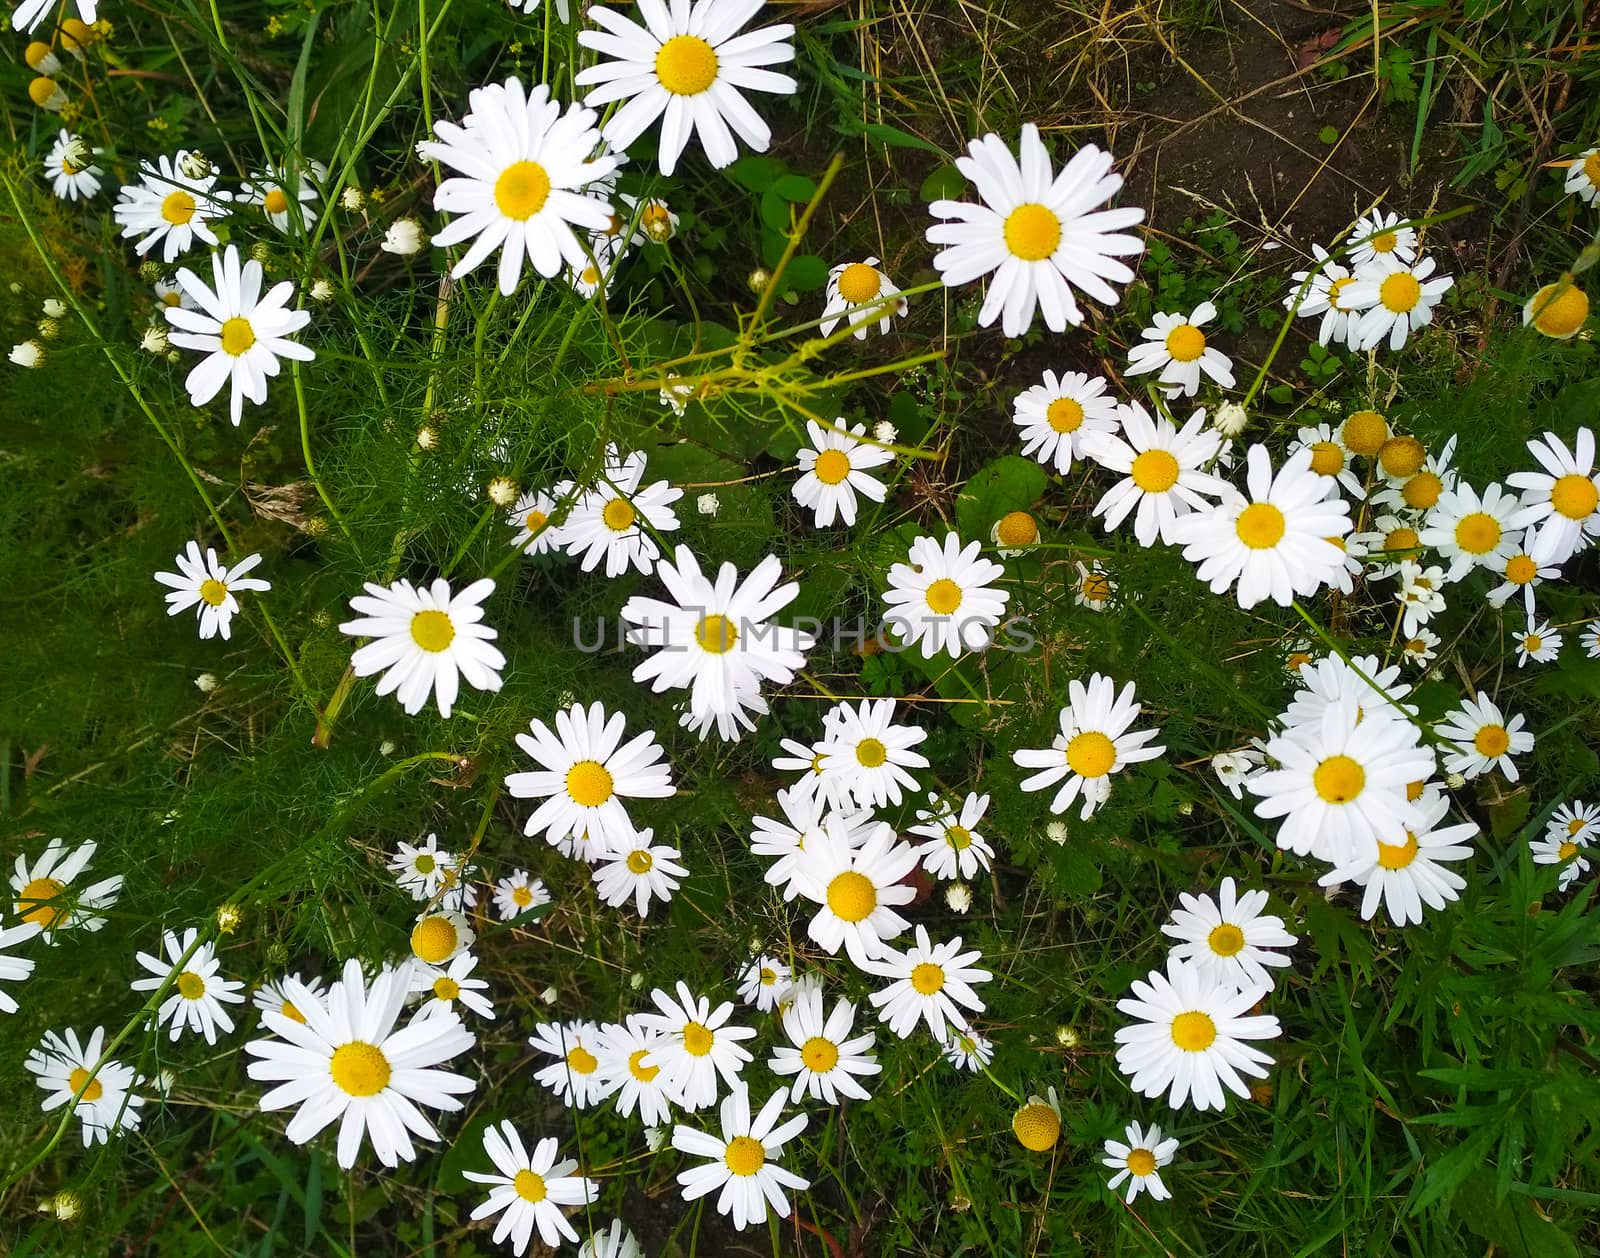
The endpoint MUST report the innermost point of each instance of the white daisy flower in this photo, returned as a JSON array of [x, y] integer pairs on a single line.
[[856, 889], [1331, 459], [629, 1071], [419, 869], [639, 869], [615, 1241], [1589, 640], [404, 238], [169, 207], [1093, 588], [198, 992], [1396, 299], [833, 470], [931, 983], [716, 640], [1139, 1162], [1229, 937], [14, 969], [65, 1067], [1562, 501], [804, 808], [1519, 574], [443, 987], [953, 848], [615, 519], [1192, 1037], [741, 1165], [531, 1192], [531, 517], [70, 167], [1324, 296], [1582, 179], [764, 982], [209, 586], [172, 294], [1038, 233], [1274, 543], [1472, 530], [1571, 854], [1379, 235], [867, 757], [348, 1062], [689, 67], [424, 641], [1395, 543], [1093, 744], [1421, 648], [439, 936], [1576, 820], [824, 1058], [1483, 739], [268, 190], [1175, 346], [943, 597], [574, 1077], [1419, 490], [1054, 418], [1421, 595], [598, 272], [1378, 691], [697, 1045], [585, 773], [1538, 642], [1407, 874], [1558, 310], [1163, 466], [967, 1050], [45, 896], [517, 893], [241, 333], [273, 996], [523, 164], [1233, 768], [860, 294]]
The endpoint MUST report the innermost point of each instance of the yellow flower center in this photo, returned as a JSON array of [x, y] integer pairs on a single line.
[[819, 1054], [33, 903], [581, 1061], [1414, 791], [697, 1039], [1520, 569], [767, 976], [1397, 855], [958, 837], [656, 220], [638, 1069], [1036, 1126], [433, 939], [275, 202], [424, 864], [852, 897], [619, 515], [1337, 287], [213, 592], [1567, 850], [589, 783], [1384, 242], [521, 896], [1401, 456], [686, 65], [173, 299], [1422, 491], [832, 466], [237, 336], [1400, 539], [1064, 415], [859, 283], [1185, 343], [432, 630], [1226, 940], [1326, 458], [1339, 779], [1478, 533], [1574, 496], [1193, 1032], [42, 91], [716, 634], [1091, 754], [1017, 529], [745, 1156], [288, 1010], [359, 1069], [943, 596], [78, 1078], [1532, 643], [446, 988], [1141, 1162], [1560, 309], [1296, 661], [1095, 586], [534, 521], [190, 985], [1591, 169], [529, 1186], [521, 190], [1155, 471], [1365, 432], [1415, 646], [1260, 526], [870, 753], [177, 207], [1491, 741], [1400, 292], [1576, 824], [640, 861], [1032, 231], [927, 978]]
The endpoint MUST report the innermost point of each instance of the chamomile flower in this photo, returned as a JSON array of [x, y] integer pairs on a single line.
[[764, 982], [1421, 595], [169, 207], [616, 520], [419, 868], [1037, 232], [1139, 1162], [967, 1050], [1392, 542], [1421, 648], [1323, 296], [931, 983], [1378, 691], [1571, 853], [805, 808], [824, 1058], [242, 333], [198, 993], [1192, 1037], [209, 586], [531, 1191], [1421, 489], [1175, 346], [613, 1242], [1093, 588], [1273, 544], [1582, 179], [14, 969], [867, 757], [742, 1162], [833, 470], [1538, 642], [629, 1072], [600, 271], [70, 167], [943, 597], [523, 165], [586, 772], [952, 846], [856, 889], [1472, 530], [531, 516], [425, 639], [688, 67], [1163, 466], [65, 1067], [1229, 937], [45, 895], [439, 936], [1379, 235], [1589, 640], [1094, 743], [1576, 820], [517, 893], [348, 1062], [697, 1046], [574, 1077], [269, 190], [1558, 310], [1483, 739], [1233, 768], [1407, 870], [716, 639], [1519, 574], [1396, 299], [860, 294], [1561, 504], [443, 987], [1056, 417], [640, 870], [1015, 533], [1331, 459], [273, 996]]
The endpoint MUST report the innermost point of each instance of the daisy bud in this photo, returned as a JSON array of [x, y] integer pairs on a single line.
[[758, 279], [886, 433], [173, 356], [194, 165], [261, 252], [958, 897], [404, 238], [317, 526], [322, 291], [150, 271], [352, 199], [1230, 419], [44, 93], [502, 491], [54, 308], [677, 396], [636, 981], [549, 995], [1454, 781], [1037, 1125], [206, 683], [154, 340], [386, 747], [1067, 1036], [1186, 809], [566, 699], [76, 35], [65, 1205], [655, 1138], [426, 438], [277, 954], [165, 1081], [14, 288], [28, 354], [49, 329], [40, 59], [708, 504], [1056, 831], [659, 222], [228, 918], [960, 1204]]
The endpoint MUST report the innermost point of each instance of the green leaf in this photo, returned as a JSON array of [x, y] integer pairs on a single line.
[[1512, 1224], [756, 171], [1010, 483], [796, 188], [1329, 135], [943, 183], [883, 133], [1079, 872], [804, 274]]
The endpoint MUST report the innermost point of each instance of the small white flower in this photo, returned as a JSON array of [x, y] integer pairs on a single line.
[[1396, 299], [708, 504], [1538, 642], [1380, 235], [1175, 346], [209, 586], [860, 294], [27, 354], [1230, 420], [958, 897], [1139, 1161], [404, 238], [885, 432]]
